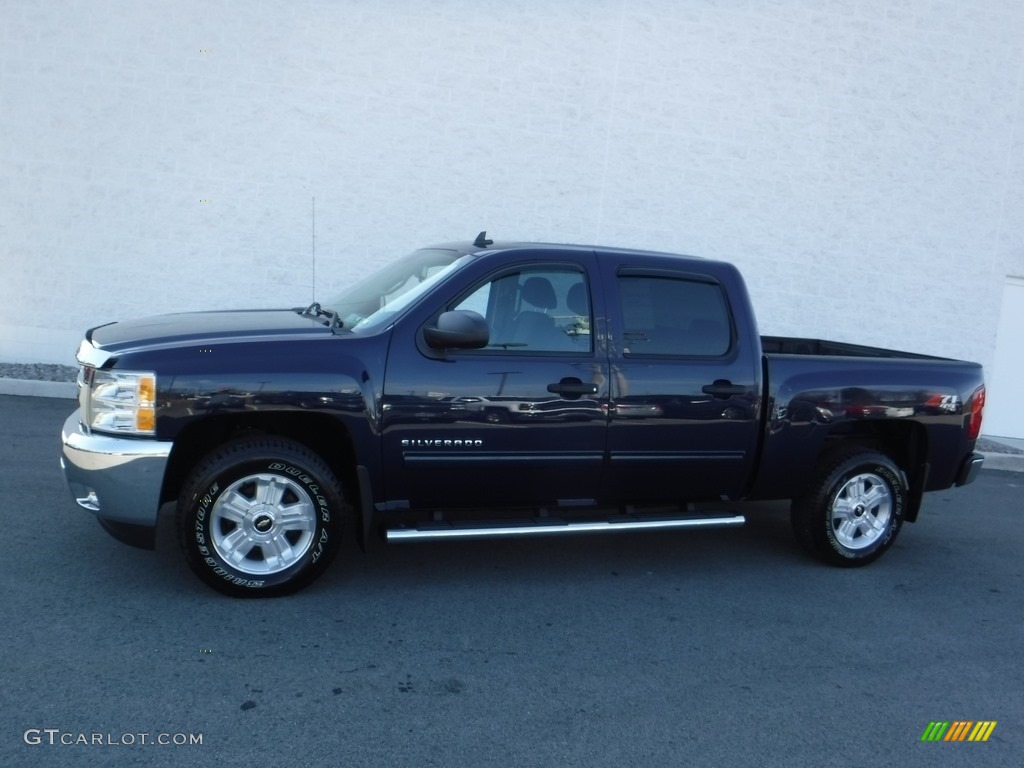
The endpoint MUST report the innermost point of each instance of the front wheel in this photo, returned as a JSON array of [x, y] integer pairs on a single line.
[[853, 508], [260, 517]]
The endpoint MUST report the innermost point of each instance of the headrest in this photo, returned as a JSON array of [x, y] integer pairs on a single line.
[[577, 300], [539, 292]]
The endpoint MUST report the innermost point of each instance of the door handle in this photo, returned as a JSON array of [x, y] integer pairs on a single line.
[[572, 388], [723, 389]]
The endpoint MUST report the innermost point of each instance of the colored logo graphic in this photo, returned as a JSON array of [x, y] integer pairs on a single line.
[[958, 730]]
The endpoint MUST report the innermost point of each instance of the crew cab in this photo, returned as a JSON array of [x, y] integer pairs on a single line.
[[487, 389]]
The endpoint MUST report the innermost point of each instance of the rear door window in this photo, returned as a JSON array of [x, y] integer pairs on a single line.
[[673, 316]]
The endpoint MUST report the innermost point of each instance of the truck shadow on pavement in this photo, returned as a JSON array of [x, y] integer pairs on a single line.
[[764, 542]]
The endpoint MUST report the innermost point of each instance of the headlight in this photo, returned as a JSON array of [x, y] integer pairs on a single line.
[[118, 401]]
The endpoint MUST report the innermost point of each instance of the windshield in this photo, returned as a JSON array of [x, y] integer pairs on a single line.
[[373, 302]]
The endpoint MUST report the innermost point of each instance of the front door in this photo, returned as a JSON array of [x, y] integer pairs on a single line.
[[521, 422]]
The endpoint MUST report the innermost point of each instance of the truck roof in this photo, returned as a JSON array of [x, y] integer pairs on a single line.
[[514, 245]]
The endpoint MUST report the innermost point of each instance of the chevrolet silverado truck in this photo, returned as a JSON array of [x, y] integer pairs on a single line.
[[480, 390]]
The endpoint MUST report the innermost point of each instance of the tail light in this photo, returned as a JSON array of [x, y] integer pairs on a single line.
[[977, 405]]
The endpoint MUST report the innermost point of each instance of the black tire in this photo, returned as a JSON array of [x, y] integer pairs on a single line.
[[260, 517], [853, 508]]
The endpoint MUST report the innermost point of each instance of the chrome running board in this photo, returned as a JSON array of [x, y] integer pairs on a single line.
[[546, 526]]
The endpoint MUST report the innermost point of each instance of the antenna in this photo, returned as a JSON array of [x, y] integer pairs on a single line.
[[312, 235], [482, 241]]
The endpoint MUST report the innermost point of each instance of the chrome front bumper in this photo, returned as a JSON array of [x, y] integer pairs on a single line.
[[117, 479]]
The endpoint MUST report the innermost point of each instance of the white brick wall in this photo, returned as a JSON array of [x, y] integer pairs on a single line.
[[863, 163]]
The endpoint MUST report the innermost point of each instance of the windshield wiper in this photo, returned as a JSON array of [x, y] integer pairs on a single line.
[[315, 310]]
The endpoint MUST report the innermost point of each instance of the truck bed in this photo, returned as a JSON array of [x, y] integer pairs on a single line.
[[820, 347], [918, 406]]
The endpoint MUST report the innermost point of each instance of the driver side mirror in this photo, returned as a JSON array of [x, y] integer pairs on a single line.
[[458, 329]]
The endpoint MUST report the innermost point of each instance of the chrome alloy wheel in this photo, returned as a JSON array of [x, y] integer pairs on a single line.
[[263, 524], [861, 511]]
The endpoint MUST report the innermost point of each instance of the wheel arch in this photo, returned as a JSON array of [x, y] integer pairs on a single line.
[[906, 443], [324, 435]]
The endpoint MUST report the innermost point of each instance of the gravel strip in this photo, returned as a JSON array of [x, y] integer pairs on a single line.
[[38, 371], [991, 446]]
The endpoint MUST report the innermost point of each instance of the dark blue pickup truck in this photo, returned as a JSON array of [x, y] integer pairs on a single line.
[[484, 390]]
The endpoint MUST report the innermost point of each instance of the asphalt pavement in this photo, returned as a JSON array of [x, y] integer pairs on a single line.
[[710, 648]]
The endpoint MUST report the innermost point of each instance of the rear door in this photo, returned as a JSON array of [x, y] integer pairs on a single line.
[[522, 422], [684, 395]]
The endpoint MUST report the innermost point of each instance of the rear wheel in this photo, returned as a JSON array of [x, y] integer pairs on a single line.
[[853, 508], [260, 517]]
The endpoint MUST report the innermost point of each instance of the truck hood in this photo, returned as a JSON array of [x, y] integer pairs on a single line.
[[203, 328]]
